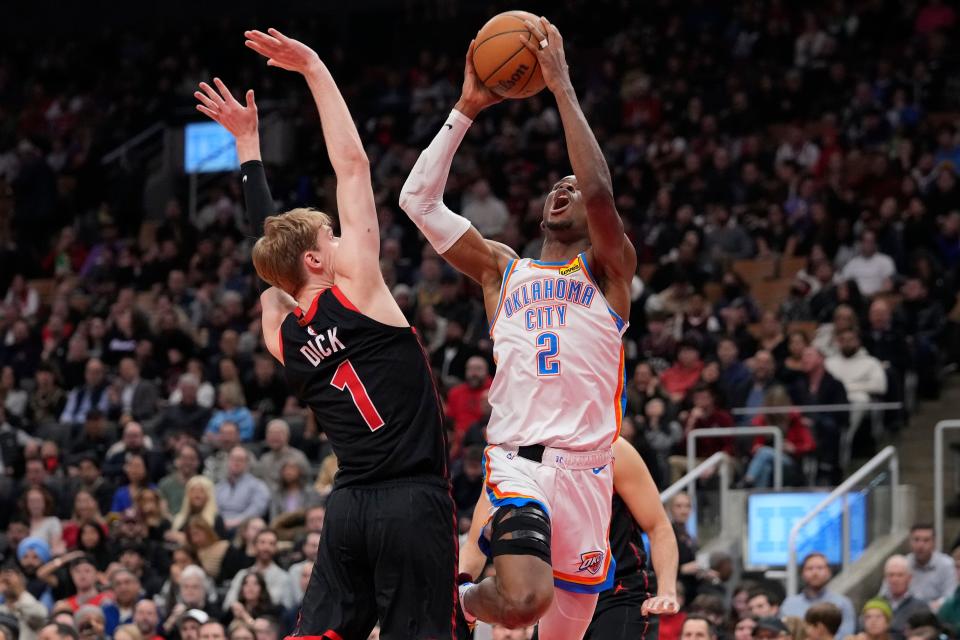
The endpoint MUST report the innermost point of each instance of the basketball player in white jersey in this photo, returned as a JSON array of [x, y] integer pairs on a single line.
[[557, 398]]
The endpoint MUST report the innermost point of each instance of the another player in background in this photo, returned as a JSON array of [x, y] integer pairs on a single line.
[[557, 397], [388, 548], [623, 610]]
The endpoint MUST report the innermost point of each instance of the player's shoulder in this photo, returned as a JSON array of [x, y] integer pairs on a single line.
[[620, 265], [504, 253]]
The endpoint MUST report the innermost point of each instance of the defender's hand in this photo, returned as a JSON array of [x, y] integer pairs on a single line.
[[659, 605], [475, 97], [282, 51], [220, 106], [553, 60]]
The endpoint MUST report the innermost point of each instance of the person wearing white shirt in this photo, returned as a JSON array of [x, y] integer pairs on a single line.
[[862, 375], [870, 269]]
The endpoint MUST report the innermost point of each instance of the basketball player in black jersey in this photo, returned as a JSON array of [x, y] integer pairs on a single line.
[[388, 549], [622, 611]]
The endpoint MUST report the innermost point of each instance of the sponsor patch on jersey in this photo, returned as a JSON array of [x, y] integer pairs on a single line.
[[591, 561], [571, 269]]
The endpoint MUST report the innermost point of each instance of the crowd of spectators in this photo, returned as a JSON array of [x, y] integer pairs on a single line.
[[917, 600], [155, 466]]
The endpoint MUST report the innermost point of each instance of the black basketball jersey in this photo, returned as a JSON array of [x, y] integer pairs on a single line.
[[370, 387], [626, 544]]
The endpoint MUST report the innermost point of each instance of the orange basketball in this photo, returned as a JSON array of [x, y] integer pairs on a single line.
[[502, 63]]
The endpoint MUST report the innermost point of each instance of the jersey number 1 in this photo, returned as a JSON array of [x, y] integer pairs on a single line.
[[547, 364], [346, 377]]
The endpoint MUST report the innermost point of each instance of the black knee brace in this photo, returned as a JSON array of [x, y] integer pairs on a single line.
[[521, 531]]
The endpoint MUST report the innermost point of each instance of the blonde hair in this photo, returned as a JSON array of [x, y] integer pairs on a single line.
[[209, 512], [132, 631], [777, 397], [231, 392], [277, 256]]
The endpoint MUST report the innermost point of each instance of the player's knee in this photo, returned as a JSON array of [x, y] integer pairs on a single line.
[[526, 604], [522, 531]]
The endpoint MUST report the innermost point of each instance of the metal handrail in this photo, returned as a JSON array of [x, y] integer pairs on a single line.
[[121, 150], [887, 455], [719, 459], [721, 432], [938, 506]]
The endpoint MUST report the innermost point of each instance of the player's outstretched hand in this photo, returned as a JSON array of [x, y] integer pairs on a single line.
[[553, 60], [475, 96], [281, 51], [220, 105], [659, 605]]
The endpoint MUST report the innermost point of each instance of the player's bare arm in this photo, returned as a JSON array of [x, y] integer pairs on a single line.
[[451, 235], [472, 559], [632, 482], [218, 103], [613, 256], [356, 268]]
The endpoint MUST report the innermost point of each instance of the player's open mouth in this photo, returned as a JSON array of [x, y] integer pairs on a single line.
[[560, 202]]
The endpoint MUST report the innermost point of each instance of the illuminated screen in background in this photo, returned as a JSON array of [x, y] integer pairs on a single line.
[[771, 516], [208, 148]]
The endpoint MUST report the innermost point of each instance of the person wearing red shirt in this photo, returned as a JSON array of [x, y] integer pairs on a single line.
[[83, 573], [705, 414], [467, 402], [684, 373], [798, 441]]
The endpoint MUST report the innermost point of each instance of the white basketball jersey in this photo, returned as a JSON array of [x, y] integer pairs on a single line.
[[559, 354]]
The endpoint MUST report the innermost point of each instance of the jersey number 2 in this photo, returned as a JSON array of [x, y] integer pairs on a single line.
[[346, 377], [547, 364]]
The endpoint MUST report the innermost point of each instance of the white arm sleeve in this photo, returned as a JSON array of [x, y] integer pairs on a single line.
[[422, 195]]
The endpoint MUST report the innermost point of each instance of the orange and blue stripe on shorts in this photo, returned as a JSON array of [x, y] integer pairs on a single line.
[[500, 498], [580, 584]]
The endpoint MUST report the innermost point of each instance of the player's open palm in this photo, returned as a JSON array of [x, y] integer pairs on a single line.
[[659, 606], [220, 105], [281, 51], [547, 45]]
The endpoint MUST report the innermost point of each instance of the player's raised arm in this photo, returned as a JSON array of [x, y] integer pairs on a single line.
[[613, 253], [632, 482], [241, 121], [360, 235], [422, 195]]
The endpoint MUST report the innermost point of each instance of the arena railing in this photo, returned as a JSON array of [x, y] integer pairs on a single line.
[[718, 460], [122, 151], [875, 409], [726, 432], [889, 457], [938, 452]]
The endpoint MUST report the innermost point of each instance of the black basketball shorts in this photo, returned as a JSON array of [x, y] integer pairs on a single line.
[[388, 554]]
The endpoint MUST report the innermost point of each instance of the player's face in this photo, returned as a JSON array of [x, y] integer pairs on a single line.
[[319, 260], [564, 213]]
